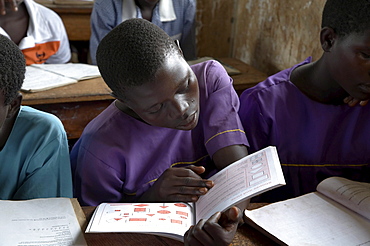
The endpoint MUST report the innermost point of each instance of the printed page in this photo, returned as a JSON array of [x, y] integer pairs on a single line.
[[77, 71], [311, 219], [351, 194], [167, 219], [39, 222], [38, 80], [248, 177]]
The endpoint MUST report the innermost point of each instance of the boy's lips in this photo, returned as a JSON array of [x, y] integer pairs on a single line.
[[189, 121]]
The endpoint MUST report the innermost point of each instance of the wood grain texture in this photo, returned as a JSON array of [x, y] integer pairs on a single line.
[[274, 35], [214, 27], [267, 34]]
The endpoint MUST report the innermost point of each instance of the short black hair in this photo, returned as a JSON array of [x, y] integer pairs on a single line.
[[12, 69], [346, 16], [132, 53]]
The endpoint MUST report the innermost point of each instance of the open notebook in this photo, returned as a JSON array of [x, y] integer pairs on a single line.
[[41, 77]]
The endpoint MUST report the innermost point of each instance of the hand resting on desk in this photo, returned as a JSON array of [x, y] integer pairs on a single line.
[[181, 184], [218, 230]]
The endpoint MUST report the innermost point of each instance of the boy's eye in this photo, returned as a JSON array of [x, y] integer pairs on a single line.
[[365, 55], [185, 87], [155, 109]]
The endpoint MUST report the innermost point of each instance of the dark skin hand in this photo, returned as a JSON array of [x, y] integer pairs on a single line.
[[178, 184], [12, 3], [218, 230], [353, 101]]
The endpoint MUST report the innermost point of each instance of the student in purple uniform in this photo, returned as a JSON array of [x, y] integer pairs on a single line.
[[170, 127], [301, 110]]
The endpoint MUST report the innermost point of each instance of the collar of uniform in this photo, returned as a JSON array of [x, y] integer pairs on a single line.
[[166, 10], [35, 30]]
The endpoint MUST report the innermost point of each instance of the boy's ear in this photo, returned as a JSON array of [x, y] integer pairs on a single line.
[[14, 106], [177, 42], [327, 38], [116, 97], [122, 101]]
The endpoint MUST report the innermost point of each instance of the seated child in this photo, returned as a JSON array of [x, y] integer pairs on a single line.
[[38, 31], [34, 158], [219, 229], [300, 110], [170, 123], [175, 17]]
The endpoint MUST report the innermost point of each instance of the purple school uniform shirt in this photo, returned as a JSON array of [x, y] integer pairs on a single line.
[[118, 158], [314, 140]]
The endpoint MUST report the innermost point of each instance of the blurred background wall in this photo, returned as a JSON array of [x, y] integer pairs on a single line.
[[270, 35]]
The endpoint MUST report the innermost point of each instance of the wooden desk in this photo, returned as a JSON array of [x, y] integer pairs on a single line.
[[245, 235], [249, 76], [77, 104], [76, 19]]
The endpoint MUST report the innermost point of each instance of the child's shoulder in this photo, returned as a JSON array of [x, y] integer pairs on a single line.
[[208, 68], [277, 84], [33, 118]]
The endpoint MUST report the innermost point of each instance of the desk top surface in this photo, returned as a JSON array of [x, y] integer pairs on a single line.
[[85, 90], [96, 89], [68, 7], [245, 235]]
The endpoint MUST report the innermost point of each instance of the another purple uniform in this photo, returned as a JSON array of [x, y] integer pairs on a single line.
[[118, 157], [314, 140]]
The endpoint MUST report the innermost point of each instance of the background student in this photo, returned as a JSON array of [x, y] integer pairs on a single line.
[[171, 126], [34, 158], [175, 17], [301, 111], [38, 31]]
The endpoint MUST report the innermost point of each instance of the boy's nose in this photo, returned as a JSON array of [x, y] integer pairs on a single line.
[[180, 109]]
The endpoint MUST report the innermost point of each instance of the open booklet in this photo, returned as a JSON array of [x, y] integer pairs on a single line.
[[245, 178], [337, 214], [41, 77], [40, 222]]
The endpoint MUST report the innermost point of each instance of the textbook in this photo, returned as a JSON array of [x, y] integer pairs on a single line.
[[41, 77], [44, 221], [245, 178], [338, 213]]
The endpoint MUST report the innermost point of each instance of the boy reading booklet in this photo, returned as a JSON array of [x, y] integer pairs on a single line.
[[337, 214], [239, 181]]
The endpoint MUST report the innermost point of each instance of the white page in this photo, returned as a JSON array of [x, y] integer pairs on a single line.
[[77, 71], [157, 218], [39, 222], [354, 195], [37, 79], [248, 177], [312, 219]]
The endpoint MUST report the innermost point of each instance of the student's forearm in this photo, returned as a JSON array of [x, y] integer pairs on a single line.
[[228, 155]]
